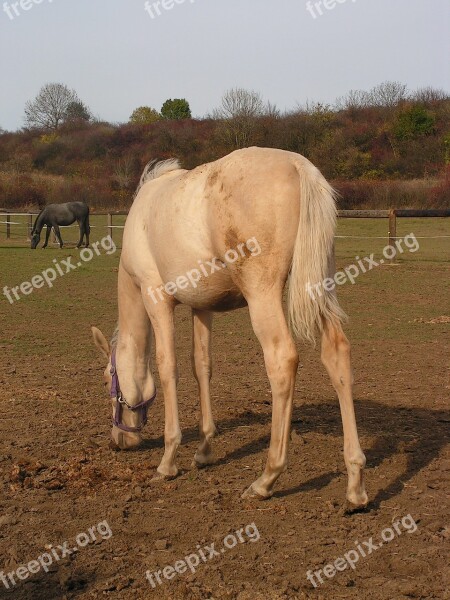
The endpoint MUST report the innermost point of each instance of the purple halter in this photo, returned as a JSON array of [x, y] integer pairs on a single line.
[[141, 409]]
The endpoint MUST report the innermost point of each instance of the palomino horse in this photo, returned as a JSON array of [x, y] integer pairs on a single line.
[[54, 215], [254, 198]]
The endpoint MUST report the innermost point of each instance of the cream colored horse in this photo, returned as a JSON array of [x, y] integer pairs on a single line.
[[181, 220]]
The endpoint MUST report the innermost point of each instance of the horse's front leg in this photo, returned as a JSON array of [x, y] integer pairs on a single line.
[[47, 235], [281, 359], [133, 359], [201, 364], [162, 319]]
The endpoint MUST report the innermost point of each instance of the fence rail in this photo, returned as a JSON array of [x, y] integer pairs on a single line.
[[7, 215], [392, 216]]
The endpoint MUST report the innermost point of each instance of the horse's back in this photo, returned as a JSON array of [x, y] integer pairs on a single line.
[[66, 213], [183, 219]]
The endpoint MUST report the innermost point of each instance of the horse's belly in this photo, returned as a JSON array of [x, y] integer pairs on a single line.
[[227, 301], [66, 221], [215, 297]]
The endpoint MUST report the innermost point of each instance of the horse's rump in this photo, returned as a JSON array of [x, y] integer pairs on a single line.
[[276, 198]]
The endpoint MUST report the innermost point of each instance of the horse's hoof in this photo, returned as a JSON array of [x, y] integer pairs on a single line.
[[357, 502], [354, 504], [113, 446], [163, 477], [202, 462], [252, 494], [199, 466]]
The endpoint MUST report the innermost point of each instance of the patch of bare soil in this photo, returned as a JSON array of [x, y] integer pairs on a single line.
[[58, 477]]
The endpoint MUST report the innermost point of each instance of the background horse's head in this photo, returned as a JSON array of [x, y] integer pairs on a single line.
[[35, 238], [122, 440]]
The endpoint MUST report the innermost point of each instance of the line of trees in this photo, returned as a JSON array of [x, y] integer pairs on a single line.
[[56, 105], [363, 142]]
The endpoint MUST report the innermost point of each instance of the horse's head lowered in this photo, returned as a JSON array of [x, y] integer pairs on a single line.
[[35, 238], [128, 420]]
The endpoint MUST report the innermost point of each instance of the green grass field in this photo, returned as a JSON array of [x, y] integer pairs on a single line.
[[383, 303], [365, 236], [56, 414]]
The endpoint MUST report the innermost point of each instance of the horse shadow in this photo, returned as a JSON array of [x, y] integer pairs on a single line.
[[48, 586], [417, 433]]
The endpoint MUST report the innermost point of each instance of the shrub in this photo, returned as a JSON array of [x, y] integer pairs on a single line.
[[414, 122], [176, 109]]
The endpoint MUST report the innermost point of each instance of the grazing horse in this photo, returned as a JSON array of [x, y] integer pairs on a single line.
[[55, 215], [219, 215]]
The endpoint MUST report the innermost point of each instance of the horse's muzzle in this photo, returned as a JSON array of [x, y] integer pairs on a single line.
[[123, 440]]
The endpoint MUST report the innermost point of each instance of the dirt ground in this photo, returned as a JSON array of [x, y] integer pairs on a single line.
[[58, 477]]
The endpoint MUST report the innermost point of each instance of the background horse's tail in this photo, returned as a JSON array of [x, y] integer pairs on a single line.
[[88, 226], [313, 260]]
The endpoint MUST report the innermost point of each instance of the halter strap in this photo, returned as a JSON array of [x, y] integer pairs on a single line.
[[141, 409]]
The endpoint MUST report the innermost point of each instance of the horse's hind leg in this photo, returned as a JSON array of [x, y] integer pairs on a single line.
[[87, 232], [336, 358], [201, 365], [281, 359], [58, 235], [82, 232], [87, 229]]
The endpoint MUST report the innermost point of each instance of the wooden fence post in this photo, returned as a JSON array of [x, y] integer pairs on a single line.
[[30, 226], [392, 228], [110, 222], [8, 226]]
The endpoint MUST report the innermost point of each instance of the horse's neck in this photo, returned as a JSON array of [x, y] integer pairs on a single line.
[[39, 223]]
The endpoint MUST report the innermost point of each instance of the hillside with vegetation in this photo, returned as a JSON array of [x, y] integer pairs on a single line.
[[384, 148]]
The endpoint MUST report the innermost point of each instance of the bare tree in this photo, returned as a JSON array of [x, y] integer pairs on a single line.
[[271, 111], [49, 109], [388, 94], [429, 94], [353, 100], [123, 173], [240, 103], [238, 115]]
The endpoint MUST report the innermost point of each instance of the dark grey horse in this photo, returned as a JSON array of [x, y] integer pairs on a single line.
[[55, 215]]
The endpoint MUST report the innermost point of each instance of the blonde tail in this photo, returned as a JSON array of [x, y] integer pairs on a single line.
[[313, 260]]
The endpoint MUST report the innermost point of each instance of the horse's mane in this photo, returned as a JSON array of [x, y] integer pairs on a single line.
[[36, 220], [155, 168], [115, 337]]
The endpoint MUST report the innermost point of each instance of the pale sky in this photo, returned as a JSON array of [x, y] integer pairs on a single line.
[[117, 57]]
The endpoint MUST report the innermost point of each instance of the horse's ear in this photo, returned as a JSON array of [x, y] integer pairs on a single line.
[[101, 342]]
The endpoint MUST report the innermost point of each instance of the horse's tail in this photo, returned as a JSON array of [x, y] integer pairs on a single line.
[[155, 168], [88, 226], [309, 303]]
